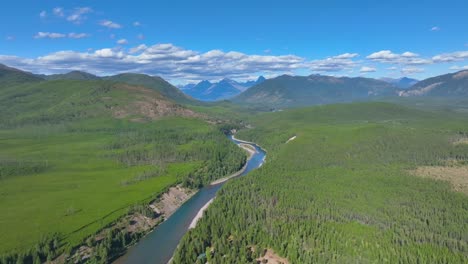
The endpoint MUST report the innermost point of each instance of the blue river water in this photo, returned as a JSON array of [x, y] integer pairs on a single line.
[[159, 245]]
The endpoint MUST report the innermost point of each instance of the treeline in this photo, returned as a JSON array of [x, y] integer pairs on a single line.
[[339, 193], [46, 249], [160, 146]]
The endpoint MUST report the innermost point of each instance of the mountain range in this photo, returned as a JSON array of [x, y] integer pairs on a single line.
[[295, 91], [224, 89], [280, 92]]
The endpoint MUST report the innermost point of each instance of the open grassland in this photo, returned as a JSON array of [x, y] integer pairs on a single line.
[[342, 191]]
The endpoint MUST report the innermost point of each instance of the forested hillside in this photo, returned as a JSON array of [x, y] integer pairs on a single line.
[[75, 156], [346, 189]]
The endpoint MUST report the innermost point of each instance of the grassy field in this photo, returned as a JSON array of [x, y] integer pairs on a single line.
[[69, 167], [343, 191]]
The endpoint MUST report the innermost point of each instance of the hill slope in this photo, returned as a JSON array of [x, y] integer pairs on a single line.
[[295, 91], [73, 75], [447, 85], [11, 76], [65, 100], [155, 83]]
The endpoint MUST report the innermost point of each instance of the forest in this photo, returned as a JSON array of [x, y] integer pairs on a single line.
[[342, 191]]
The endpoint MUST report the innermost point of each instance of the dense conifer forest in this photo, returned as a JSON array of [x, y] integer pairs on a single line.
[[342, 191]]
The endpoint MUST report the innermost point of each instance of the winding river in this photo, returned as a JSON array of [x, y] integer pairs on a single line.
[[159, 245]]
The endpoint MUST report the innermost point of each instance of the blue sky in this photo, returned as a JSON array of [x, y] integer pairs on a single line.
[[193, 40]]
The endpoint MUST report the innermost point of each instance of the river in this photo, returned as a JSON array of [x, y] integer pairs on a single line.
[[159, 245]]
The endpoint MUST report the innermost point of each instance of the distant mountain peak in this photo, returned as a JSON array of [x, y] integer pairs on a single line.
[[224, 89], [403, 82]]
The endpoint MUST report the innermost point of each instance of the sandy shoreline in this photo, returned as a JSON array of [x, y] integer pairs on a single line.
[[251, 152], [199, 215]]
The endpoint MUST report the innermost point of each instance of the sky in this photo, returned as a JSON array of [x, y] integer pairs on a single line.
[[189, 41]]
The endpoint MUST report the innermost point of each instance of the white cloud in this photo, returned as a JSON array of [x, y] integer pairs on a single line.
[[122, 41], [347, 56], [406, 58], [409, 54], [136, 24], [411, 70], [166, 60], [458, 68], [79, 14], [50, 35], [451, 57], [78, 35], [53, 35], [334, 64], [43, 14], [138, 49], [109, 24], [58, 11], [366, 69], [393, 68], [435, 28], [108, 53]]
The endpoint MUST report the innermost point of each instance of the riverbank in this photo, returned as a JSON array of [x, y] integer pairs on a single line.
[[199, 215], [135, 225], [251, 150], [159, 245]]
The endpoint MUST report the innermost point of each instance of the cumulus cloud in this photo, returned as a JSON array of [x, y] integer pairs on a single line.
[[411, 70], [334, 64], [138, 49], [166, 60], [366, 69], [406, 58], [50, 35], [109, 24], [451, 57], [346, 56], [53, 35], [58, 11], [435, 28], [122, 42], [43, 14], [78, 35], [459, 68], [79, 14]]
